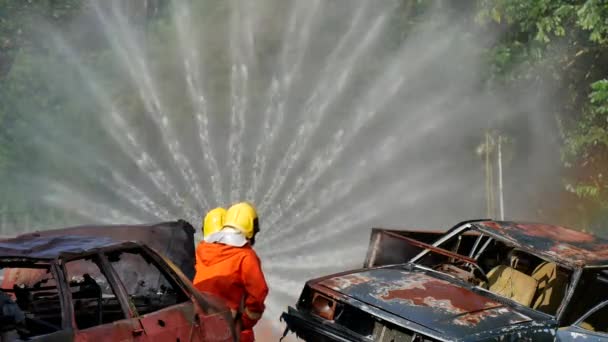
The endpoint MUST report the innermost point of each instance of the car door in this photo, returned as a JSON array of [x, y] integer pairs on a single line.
[[593, 326], [165, 310], [99, 313]]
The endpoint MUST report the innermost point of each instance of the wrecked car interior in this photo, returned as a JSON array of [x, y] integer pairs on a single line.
[[504, 269], [37, 296], [33, 287], [499, 268], [93, 298]]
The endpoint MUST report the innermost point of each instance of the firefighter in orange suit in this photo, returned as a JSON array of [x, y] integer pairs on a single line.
[[230, 269], [213, 223]]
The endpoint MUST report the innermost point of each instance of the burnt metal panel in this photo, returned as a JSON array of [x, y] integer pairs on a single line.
[[567, 246], [175, 322], [218, 327], [385, 247], [123, 330], [575, 333], [67, 311], [51, 247], [390, 247], [435, 303]]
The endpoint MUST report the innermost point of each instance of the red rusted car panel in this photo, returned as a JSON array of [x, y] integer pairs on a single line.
[[124, 330]]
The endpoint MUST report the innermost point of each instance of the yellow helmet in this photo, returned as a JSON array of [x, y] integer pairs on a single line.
[[214, 221], [243, 216]]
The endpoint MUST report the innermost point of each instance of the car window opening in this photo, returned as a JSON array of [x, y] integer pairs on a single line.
[[29, 298], [596, 321], [498, 267], [148, 286], [591, 290], [93, 298]]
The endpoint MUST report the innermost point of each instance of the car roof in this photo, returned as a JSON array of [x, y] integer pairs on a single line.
[[51, 247], [563, 245], [49, 244]]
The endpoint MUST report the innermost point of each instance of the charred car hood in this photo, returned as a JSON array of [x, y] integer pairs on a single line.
[[434, 303]]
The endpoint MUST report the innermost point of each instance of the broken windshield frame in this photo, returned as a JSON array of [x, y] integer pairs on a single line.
[[448, 236]]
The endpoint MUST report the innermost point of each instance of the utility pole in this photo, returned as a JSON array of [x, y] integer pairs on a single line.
[[491, 152], [500, 188], [489, 173]]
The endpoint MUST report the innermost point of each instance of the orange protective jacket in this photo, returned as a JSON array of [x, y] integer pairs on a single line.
[[231, 273]]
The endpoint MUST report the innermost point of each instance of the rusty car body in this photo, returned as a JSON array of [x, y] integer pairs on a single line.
[[481, 280], [107, 283]]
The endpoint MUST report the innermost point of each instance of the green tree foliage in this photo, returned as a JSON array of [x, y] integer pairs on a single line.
[[586, 149], [565, 41], [543, 20]]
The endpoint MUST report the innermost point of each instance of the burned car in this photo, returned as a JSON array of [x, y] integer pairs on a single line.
[[480, 281], [94, 283]]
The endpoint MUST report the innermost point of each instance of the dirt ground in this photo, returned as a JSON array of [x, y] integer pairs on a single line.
[[266, 331]]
